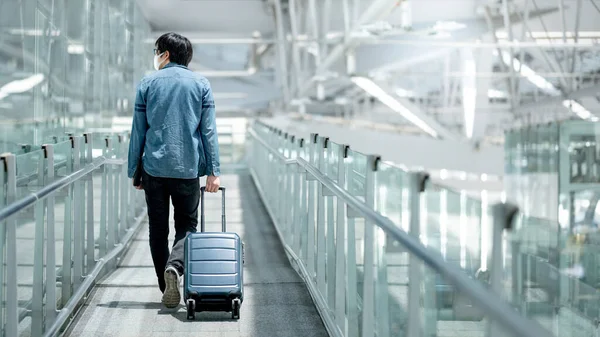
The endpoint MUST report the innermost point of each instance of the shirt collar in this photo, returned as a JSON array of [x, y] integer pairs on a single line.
[[173, 64]]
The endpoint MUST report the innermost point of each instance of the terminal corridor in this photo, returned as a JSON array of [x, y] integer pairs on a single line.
[[276, 301], [394, 168]]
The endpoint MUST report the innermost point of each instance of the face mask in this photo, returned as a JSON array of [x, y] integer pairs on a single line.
[[157, 62]]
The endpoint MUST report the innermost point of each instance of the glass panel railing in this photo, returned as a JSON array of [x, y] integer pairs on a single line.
[[29, 166], [357, 166], [365, 278], [392, 194], [441, 310], [460, 228], [453, 226], [77, 219], [20, 136], [63, 158]]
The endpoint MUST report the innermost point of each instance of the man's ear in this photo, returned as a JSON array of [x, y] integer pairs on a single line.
[[167, 56]]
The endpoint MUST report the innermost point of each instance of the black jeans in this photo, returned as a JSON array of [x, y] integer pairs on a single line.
[[185, 195]]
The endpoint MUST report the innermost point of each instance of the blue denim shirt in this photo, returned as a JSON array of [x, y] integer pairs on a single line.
[[174, 125]]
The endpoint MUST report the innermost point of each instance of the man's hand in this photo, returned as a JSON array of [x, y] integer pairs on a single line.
[[140, 187], [212, 184]]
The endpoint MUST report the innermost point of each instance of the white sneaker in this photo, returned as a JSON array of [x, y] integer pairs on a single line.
[[171, 297]]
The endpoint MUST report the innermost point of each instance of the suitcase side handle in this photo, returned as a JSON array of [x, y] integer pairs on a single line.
[[202, 217]]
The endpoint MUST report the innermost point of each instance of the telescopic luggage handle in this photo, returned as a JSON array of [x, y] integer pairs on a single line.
[[202, 220]]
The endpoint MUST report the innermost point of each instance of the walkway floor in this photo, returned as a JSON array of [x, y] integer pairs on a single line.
[[276, 301]]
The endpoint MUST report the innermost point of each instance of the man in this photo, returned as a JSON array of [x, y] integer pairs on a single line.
[[174, 139]]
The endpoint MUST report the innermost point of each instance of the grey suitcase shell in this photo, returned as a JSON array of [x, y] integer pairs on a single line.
[[213, 262]]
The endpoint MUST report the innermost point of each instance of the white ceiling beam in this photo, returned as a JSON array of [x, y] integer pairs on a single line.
[[440, 129]]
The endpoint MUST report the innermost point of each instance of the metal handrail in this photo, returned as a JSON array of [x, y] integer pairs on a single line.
[[491, 303], [90, 280], [118, 224], [32, 198]]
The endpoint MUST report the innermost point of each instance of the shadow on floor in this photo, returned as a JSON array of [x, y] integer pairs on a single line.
[[179, 313], [208, 316], [132, 305]]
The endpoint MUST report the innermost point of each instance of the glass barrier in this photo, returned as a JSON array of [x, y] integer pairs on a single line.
[[74, 224], [357, 271], [29, 168], [543, 266], [452, 225]]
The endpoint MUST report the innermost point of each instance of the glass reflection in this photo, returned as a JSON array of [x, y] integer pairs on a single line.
[[59, 63]]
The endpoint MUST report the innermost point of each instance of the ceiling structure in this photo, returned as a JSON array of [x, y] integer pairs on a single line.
[[460, 69]]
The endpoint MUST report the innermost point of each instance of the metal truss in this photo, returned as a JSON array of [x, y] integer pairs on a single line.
[[515, 63]]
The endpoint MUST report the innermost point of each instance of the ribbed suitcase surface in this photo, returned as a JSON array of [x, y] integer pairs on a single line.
[[214, 264]]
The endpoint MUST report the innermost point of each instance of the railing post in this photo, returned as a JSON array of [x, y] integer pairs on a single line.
[[82, 222], [351, 269], [37, 298], [271, 173], [368, 298], [280, 179], [310, 241], [78, 216], [382, 310], [415, 268], [115, 189], [293, 194], [298, 205], [286, 213], [302, 218], [91, 243], [330, 235], [51, 246], [125, 188], [10, 230], [67, 279], [503, 216], [340, 245], [104, 193], [110, 210], [321, 249]]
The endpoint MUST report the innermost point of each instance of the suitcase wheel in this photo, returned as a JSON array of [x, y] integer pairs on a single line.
[[235, 308], [191, 309]]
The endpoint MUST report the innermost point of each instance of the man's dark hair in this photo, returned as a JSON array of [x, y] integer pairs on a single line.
[[179, 48]]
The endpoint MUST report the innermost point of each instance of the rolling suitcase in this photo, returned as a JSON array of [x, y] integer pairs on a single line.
[[213, 262]]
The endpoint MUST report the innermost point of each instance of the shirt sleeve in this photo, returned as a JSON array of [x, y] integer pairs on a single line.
[[138, 131], [208, 132]]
